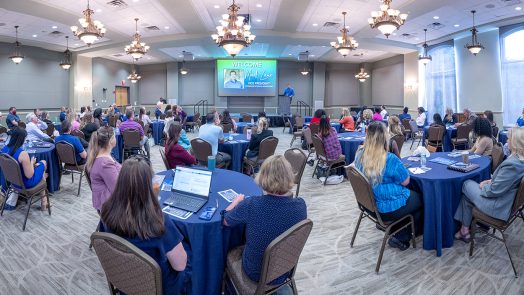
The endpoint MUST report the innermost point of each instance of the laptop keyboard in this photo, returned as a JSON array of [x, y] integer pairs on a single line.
[[185, 202]]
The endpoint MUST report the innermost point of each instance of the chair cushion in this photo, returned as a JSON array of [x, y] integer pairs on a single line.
[[234, 266], [250, 162], [34, 190], [74, 168], [297, 133], [488, 219], [341, 158]]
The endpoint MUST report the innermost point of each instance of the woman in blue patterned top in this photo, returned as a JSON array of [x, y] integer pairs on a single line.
[[389, 178]]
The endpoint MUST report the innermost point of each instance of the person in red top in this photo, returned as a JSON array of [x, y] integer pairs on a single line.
[[175, 153], [318, 114], [347, 122], [330, 139]]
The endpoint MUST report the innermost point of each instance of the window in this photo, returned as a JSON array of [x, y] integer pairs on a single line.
[[440, 81], [512, 73]]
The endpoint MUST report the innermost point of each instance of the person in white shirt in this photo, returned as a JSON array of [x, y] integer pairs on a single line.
[[144, 117], [33, 132], [214, 135], [383, 112], [41, 124], [421, 118]]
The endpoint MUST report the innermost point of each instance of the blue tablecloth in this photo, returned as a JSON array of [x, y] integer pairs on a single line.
[[53, 167], [446, 143], [236, 148], [503, 136], [441, 189], [209, 240], [158, 131], [350, 141], [242, 125], [117, 151]]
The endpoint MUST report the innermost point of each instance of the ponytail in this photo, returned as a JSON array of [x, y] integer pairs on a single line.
[[99, 140]]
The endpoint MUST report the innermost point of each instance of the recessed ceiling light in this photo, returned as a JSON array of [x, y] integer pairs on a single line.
[[259, 5], [216, 6], [417, 38], [148, 57], [76, 44], [290, 54], [518, 8], [136, 0], [54, 27], [259, 20], [394, 34], [314, 25], [324, 46], [436, 17], [99, 10], [35, 35], [456, 25], [312, 55], [166, 27]]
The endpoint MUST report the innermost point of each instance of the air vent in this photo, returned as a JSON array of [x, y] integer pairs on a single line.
[[56, 33], [118, 55], [510, 2], [153, 28], [117, 3], [331, 25], [436, 26], [490, 6], [2, 24]]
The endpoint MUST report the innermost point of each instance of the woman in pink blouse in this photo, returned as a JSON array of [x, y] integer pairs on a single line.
[[102, 169]]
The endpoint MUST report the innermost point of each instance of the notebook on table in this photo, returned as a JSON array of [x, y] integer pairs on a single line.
[[190, 190], [461, 167]]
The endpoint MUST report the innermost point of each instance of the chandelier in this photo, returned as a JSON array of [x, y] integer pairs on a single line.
[[233, 33], [91, 30], [387, 20], [424, 58], [305, 69], [183, 69], [134, 76], [17, 56], [136, 49], [475, 46], [362, 76], [345, 44], [66, 63]]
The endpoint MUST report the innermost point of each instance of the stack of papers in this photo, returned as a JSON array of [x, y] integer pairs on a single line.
[[443, 161], [229, 195], [413, 159], [419, 170], [455, 154], [178, 213]]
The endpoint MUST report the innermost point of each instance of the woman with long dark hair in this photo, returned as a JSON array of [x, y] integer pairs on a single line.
[[484, 133], [329, 138], [226, 119], [133, 212], [437, 120], [175, 153]]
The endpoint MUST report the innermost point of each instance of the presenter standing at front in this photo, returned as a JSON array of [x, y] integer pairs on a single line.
[[288, 92]]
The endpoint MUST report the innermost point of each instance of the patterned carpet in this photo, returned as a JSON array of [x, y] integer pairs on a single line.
[[52, 255]]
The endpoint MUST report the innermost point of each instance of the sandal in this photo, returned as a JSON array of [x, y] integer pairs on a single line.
[[464, 238]]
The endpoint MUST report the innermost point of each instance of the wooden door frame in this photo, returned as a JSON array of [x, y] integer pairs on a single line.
[[128, 94]]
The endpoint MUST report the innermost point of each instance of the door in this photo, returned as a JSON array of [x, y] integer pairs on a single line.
[[122, 95]]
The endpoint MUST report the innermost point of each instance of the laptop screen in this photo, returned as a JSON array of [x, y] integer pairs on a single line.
[[192, 181]]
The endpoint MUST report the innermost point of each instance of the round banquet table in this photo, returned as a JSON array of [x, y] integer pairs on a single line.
[[242, 125], [53, 167], [209, 240], [446, 143], [236, 148], [441, 189], [158, 131], [350, 141], [503, 136]]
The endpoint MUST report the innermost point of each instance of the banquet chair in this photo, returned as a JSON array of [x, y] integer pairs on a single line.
[[21, 124], [49, 131], [246, 118], [415, 133], [366, 203], [195, 123], [497, 156], [127, 268], [4, 130], [13, 178], [462, 138], [299, 125], [67, 156], [280, 257], [131, 138], [500, 225], [309, 141], [142, 124], [226, 127], [495, 131], [407, 128], [322, 158], [287, 123], [297, 159], [267, 148], [399, 139], [78, 134], [314, 128], [202, 150], [435, 137], [253, 129], [164, 159]]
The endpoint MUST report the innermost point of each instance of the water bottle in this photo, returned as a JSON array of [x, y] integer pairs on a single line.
[[248, 134], [26, 144], [30, 144], [423, 160]]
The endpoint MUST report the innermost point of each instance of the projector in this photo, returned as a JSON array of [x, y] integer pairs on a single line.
[[303, 56]]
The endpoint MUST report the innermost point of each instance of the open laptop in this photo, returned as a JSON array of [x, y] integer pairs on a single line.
[[190, 190]]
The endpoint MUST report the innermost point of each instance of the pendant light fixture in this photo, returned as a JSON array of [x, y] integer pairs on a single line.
[[17, 56], [66, 63], [475, 46], [305, 69], [90, 30], [424, 58], [134, 76], [233, 33], [184, 70], [136, 49], [345, 44], [362, 75], [387, 20]]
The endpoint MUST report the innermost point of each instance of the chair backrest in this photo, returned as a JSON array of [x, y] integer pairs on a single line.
[[497, 156], [314, 128], [246, 118], [463, 131], [21, 124], [49, 131], [196, 117], [298, 161], [11, 170], [164, 159], [413, 126], [267, 148], [495, 131], [253, 129], [227, 127], [282, 254], [435, 133], [127, 268], [141, 123], [399, 139], [111, 121], [431, 148], [66, 153], [201, 149], [407, 126], [131, 138], [308, 136], [78, 134], [4, 130], [362, 190], [518, 203], [319, 147], [299, 122]]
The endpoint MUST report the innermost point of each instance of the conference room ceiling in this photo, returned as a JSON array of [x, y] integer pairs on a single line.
[[284, 28]]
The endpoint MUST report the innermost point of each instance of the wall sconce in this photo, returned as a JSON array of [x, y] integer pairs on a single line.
[[411, 85]]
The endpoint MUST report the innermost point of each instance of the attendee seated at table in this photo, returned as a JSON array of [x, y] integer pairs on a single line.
[[88, 126], [183, 141], [395, 129], [158, 110], [3, 135], [520, 120], [494, 197], [268, 216], [82, 113], [214, 135], [32, 171], [97, 117], [115, 109], [317, 115], [169, 118], [262, 114], [483, 132], [347, 123], [12, 119], [133, 212], [257, 137], [101, 168], [132, 124], [360, 113], [383, 112], [35, 133], [168, 108], [44, 117], [66, 136], [216, 118], [179, 112], [450, 117], [142, 116], [62, 115], [421, 118], [71, 117], [329, 138], [366, 120], [489, 115], [226, 119], [404, 114], [437, 121], [376, 115], [40, 124], [175, 153], [470, 117], [389, 178]]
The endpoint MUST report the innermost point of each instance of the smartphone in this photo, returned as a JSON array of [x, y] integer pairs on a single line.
[[208, 213], [407, 165]]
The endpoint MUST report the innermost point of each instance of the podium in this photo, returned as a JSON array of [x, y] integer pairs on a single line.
[[284, 104]]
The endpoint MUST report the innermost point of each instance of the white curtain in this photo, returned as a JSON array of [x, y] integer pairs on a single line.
[[440, 81], [512, 73]]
